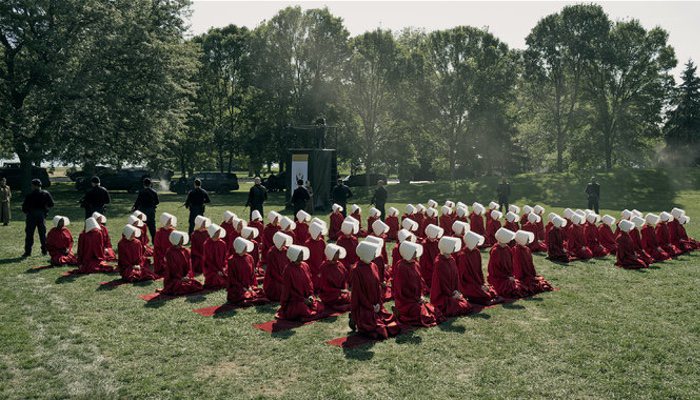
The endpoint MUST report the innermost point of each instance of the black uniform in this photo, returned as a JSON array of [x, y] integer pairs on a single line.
[[379, 200], [95, 200], [503, 192], [299, 199], [340, 195], [196, 199], [593, 192], [256, 198], [147, 202], [36, 206]]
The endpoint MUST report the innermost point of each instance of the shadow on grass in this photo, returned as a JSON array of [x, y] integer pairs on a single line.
[[284, 335], [449, 326], [360, 353], [513, 306], [11, 260], [409, 338]]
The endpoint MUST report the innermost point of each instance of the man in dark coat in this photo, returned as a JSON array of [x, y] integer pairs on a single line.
[[593, 193], [379, 198], [147, 202], [36, 206], [503, 192], [299, 197], [340, 195], [196, 199], [256, 197], [95, 199]]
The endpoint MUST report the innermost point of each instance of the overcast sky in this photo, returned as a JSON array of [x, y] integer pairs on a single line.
[[508, 20]]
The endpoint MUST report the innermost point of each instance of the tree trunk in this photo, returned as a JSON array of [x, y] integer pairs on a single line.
[[25, 164], [560, 150]]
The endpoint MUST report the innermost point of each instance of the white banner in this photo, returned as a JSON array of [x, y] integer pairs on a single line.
[[300, 168]]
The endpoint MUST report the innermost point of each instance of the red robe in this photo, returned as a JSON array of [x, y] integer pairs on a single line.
[[679, 237], [178, 264], [231, 234], [541, 234], [301, 233], [332, 281], [393, 223], [366, 293], [663, 236], [636, 237], [214, 264], [555, 246], [492, 226], [524, 271], [336, 219], [255, 253], [576, 243], [427, 261], [420, 220], [296, 290], [161, 244], [267, 243], [349, 243], [257, 224], [537, 245], [91, 253], [358, 216], [501, 273], [471, 277], [370, 221], [107, 243], [276, 262], [548, 229], [446, 221], [651, 246], [476, 223], [147, 250], [316, 258], [627, 257], [197, 240], [131, 254], [59, 244], [242, 286], [445, 283], [606, 238], [511, 226], [590, 232], [408, 292]]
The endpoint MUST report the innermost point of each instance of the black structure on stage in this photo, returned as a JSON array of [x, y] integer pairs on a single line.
[[318, 166]]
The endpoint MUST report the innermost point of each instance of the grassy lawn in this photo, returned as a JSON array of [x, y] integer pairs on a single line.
[[607, 333]]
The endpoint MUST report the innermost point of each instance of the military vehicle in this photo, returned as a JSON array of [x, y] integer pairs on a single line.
[[217, 182]]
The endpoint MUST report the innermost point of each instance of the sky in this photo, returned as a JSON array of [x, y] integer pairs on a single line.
[[510, 21]]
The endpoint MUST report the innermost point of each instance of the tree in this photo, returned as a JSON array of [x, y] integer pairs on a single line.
[[682, 128]]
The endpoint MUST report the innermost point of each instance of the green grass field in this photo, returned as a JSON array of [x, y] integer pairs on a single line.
[[607, 333]]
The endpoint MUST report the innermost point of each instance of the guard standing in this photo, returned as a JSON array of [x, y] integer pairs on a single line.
[[593, 193], [95, 199], [36, 206], [257, 196], [196, 199], [299, 197], [147, 202], [340, 195], [379, 198], [503, 192], [5, 197]]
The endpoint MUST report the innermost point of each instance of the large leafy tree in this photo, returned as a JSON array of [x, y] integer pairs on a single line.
[[682, 128]]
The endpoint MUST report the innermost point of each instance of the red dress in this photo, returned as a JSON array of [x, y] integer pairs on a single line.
[[301, 233], [197, 240], [393, 223], [637, 243], [445, 283], [267, 243], [576, 243], [91, 253], [590, 232], [242, 286], [296, 290], [555, 246], [336, 219], [177, 266], [540, 234], [476, 223], [147, 250], [161, 244], [537, 245], [627, 257], [524, 271], [370, 221], [214, 264], [131, 254], [663, 236], [679, 237], [446, 221], [59, 244], [471, 277], [651, 246], [231, 232], [427, 261], [366, 293], [276, 262], [332, 281], [316, 256], [491, 227], [349, 243], [606, 238], [501, 273], [408, 292], [107, 243]]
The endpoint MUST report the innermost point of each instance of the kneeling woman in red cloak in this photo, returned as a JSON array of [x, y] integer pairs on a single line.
[[59, 243], [333, 279], [214, 258], [91, 251], [297, 302], [576, 240], [524, 267], [556, 250], [501, 267], [444, 292], [106, 240], [411, 307], [276, 264], [242, 285], [132, 263], [471, 277], [627, 256], [178, 264]]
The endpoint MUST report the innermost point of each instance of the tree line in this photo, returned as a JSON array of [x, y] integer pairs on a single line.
[[121, 82]]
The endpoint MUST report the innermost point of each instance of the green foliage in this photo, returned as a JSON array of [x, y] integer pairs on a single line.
[[682, 129]]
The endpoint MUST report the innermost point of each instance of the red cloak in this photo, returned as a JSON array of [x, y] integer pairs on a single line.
[[476, 223], [91, 253], [333, 286], [107, 243], [132, 263], [267, 234], [501, 273], [446, 221], [349, 243], [663, 236], [297, 291], [214, 263], [316, 256], [679, 237], [336, 219], [370, 221], [492, 226], [393, 223], [606, 238], [590, 232], [576, 243], [161, 244], [147, 250], [197, 240], [427, 261], [471, 277], [59, 244], [637, 243], [301, 233], [445, 284], [555, 246], [242, 285], [276, 262], [366, 294], [537, 245], [408, 297], [627, 257], [230, 234], [524, 271], [178, 265], [651, 246]]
